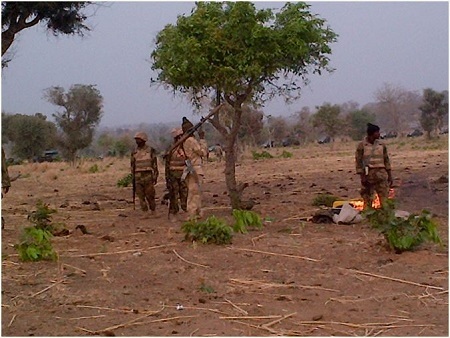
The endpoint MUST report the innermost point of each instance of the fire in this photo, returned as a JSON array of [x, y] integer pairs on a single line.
[[359, 204]]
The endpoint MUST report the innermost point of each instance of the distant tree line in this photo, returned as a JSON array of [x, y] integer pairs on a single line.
[[74, 132]]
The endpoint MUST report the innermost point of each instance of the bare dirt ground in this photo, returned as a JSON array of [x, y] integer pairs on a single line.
[[292, 277]]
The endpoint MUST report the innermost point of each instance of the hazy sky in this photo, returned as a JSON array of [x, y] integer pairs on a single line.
[[401, 43]]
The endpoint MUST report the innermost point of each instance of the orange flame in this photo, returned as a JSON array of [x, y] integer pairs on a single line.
[[376, 204]]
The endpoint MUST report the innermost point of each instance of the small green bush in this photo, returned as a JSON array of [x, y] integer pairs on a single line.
[[35, 243], [125, 181], [286, 154], [213, 230], [258, 156], [400, 233], [324, 199], [245, 219], [94, 169]]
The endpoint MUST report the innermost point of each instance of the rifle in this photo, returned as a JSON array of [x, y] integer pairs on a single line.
[[192, 130]]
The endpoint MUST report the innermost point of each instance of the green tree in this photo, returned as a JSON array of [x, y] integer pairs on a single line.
[[434, 109], [229, 51], [327, 118], [81, 113], [59, 17], [30, 135], [357, 123]]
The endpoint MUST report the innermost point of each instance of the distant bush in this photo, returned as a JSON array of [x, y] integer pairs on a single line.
[[262, 155], [286, 154], [125, 181]]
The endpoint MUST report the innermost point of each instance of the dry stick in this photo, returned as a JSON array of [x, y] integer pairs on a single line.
[[277, 254], [103, 308], [192, 333], [236, 307], [388, 325], [283, 285], [256, 238], [118, 252], [251, 317], [12, 320], [47, 288], [278, 320], [86, 317], [184, 260], [130, 322], [74, 267], [397, 280]]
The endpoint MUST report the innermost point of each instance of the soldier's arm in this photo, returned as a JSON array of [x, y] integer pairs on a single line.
[[359, 156], [155, 165]]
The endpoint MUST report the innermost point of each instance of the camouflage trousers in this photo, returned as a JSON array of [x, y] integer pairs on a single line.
[[194, 201], [377, 181], [178, 191], [145, 190]]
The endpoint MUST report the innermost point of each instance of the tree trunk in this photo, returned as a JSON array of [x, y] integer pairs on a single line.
[[230, 172]]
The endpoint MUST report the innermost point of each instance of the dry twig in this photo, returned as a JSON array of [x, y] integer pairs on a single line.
[[119, 252], [236, 307], [396, 280], [185, 260], [48, 288], [278, 254]]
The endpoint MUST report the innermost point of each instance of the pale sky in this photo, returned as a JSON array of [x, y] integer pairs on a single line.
[[401, 43]]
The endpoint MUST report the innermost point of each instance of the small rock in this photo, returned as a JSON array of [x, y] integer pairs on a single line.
[[317, 317]]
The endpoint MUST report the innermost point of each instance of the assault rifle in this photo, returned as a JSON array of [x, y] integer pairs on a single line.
[[191, 131], [134, 185]]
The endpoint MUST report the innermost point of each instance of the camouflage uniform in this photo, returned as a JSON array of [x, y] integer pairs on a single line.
[[375, 157], [6, 182], [195, 151], [177, 187], [144, 165]]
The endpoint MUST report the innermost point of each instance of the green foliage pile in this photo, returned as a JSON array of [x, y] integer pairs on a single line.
[[125, 181], [403, 234], [245, 219], [325, 200], [35, 241], [214, 230], [262, 155]]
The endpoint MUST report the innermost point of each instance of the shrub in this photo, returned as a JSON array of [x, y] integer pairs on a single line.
[[94, 169], [35, 241], [245, 219], [213, 230], [125, 181], [286, 154], [258, 156], [400, 233]]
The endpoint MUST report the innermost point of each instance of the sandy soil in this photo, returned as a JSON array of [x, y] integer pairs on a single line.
[[130, 276]]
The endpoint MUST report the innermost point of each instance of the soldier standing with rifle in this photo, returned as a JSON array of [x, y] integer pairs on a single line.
[[177, 187], [144, 168], [195, 152], [6, 182]]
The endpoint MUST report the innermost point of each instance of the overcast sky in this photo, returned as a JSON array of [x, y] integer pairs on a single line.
[[401, 43]]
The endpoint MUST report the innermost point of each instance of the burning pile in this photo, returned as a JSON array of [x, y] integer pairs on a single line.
[[358, 203]]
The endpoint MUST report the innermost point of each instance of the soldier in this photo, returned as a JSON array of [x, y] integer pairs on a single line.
[[175, 166], [218, 152], [195, 151], [144, 168], [6, 182], [374, 167]]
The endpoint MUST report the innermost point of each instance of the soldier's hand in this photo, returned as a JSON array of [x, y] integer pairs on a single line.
[[5, 190]]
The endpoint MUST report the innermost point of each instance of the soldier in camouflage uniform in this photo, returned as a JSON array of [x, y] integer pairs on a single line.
[[6, 182], [144, 167], [373, 166], [175, 166]]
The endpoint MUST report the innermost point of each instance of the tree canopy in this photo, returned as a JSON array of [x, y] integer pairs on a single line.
[[81, 113], [30, 135], [230, 51], [434, 109], [59, 17]]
